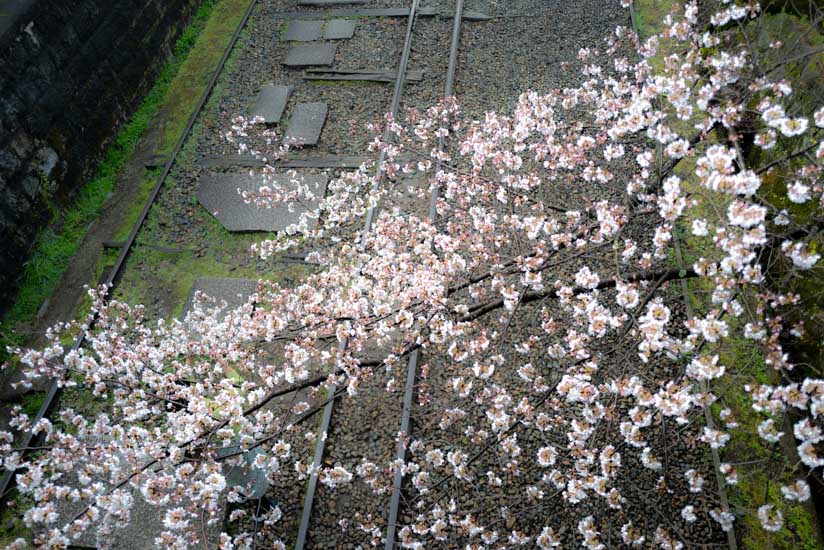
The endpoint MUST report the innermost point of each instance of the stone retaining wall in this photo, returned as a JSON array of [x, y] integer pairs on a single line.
[[70, 74]]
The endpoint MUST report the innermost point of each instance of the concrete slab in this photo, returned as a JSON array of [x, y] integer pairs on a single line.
[[235, 292], [218, 193], [251, 480], [145, 525], [337, 29], [304, 31], [306, 124], [271, 102], [306, 55]]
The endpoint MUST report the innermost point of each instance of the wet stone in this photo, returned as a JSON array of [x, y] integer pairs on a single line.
[[304, 31], [306, 55], [337, 29], [271, 102], [250, 480], [235, 292], [218, 193], [306, 124]]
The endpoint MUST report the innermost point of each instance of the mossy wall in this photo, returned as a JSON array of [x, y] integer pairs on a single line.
[[761, 469], [70, 74]]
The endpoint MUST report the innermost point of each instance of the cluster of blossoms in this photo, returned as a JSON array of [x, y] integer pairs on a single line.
[[561, 374]]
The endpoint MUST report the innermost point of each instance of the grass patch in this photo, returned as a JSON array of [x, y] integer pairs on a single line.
[[185, 90], [12, 521], [32, 402], [196, 70], [174, 95]]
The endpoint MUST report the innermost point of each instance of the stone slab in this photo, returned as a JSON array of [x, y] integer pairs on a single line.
[[250, 479], [306, 124], [338, 29], [304, 31], [145, 525], [271, 102], [307, 55], [218, 193], [235, 292]]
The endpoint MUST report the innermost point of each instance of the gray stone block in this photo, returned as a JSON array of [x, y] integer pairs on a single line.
[[337, 29], [218, 193], [145, 525], [306, 124], [271, 102], [235, 292], [249, 479], [303, 31], [307, 55]]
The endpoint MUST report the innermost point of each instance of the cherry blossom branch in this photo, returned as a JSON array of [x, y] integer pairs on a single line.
[[668, 275]]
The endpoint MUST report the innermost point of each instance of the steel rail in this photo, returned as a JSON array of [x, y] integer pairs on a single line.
[[716, 458], [414, 358], [326, 420], [393, 110], [52, 396]]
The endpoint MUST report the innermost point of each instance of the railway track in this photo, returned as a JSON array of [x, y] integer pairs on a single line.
[[414, 358], [504, 61], [309, 499]]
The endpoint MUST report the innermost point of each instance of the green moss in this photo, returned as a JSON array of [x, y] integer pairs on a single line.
[[806, 76], [762, 469], [649, 16], [216, 26], [797, 533], [11, 522], [32, 402]]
